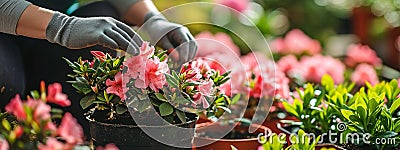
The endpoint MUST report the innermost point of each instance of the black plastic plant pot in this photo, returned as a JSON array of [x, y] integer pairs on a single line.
[[129, 137]]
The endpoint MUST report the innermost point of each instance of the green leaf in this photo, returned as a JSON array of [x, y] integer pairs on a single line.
[[328, 82], [143, 105], [81, 79], [175, 75], [346, 113], [395, 106], [87, 101], [166, 109], [82, 87], [225, 108], [181, 115], [35, 94], [361, 111], [290, 109], [6, 125], [56, 110], [161, 97], [235, 99], [121, 109], [171, 81]]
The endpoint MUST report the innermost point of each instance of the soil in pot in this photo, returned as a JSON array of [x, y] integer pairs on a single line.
[[208, 133], [124, 133]]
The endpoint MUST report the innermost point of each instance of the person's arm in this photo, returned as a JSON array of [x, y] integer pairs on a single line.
[[19, 17], [34, 21], [137, 12]]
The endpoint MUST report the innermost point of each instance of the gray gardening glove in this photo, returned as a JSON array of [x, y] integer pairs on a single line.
[[76, 33], [169, 36]]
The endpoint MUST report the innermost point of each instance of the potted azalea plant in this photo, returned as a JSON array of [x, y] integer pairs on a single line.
[[126, 96], [30, 124]]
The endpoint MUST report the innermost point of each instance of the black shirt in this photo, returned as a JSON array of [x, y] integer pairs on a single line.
[[57, 5]]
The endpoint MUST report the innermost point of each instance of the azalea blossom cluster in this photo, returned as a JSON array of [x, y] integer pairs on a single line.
[[146, 69], [365, 61], [198, 72], [253, 74], [312, 68], [33, 120], [264, 79], [297, 43], [360, 60]]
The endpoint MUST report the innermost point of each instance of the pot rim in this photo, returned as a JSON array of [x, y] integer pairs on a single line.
[[258, 126], [92, 120]]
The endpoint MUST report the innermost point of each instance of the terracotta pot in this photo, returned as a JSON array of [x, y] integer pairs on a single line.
[[203, 119], [273, 122], [128, 137], [245, 143]]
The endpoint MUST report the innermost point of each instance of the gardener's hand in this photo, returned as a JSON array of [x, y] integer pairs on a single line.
[[169, 36], [76, 33]]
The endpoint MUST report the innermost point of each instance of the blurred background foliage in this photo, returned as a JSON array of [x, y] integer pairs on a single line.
[[334, 23], [371, 22]]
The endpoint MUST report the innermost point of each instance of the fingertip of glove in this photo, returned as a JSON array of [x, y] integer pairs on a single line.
[[133, 50]]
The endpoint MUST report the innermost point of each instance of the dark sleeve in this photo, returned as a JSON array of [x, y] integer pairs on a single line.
[[122, 6]]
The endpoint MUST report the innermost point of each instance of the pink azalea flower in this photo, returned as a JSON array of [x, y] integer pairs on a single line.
[[222, 62], [108, 147], [70, 130], [260, 148], [206, 87], [50, 126], [52, 144], [239, 5], [205, 90], [41, 111], [4, 144], [100, 55], [287, 63], [16, 108], [281, 85], [200, 99], [137, 64], [220, 43], [195, 70], [226, 88], [312, 68], [257, 62], [364, 73], [146, 50], [358, 53], [115, 87], [154, 76], [268, 81], [55, 95], [296, 42]]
